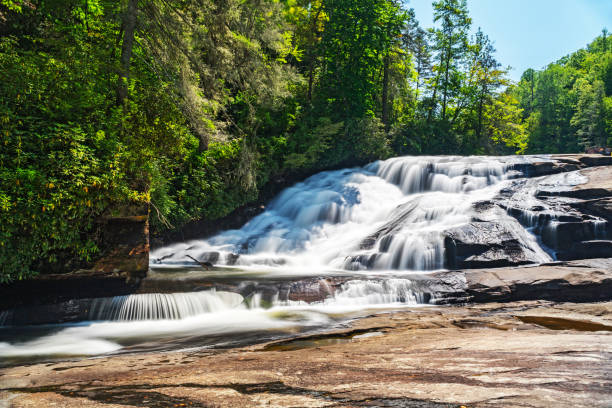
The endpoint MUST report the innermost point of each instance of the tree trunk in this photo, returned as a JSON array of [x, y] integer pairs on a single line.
[[129, 25], [418, 80], [202, 144], [385, 94], [480, 110], [310, 79], [433, 100], [313, 56], [445, 89]]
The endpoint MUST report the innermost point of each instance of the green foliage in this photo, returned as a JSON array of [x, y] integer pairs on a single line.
[[358, 35], [588, 119], [205, 102], [57, 168], [503, 126], [566, 105]]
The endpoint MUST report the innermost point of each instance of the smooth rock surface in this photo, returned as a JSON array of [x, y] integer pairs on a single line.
[[527, 354]]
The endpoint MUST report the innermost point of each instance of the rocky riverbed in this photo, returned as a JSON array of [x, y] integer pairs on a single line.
[[528, 354], [498, 328], [535, 349]]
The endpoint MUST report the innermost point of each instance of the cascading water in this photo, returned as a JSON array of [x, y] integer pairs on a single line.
[[154, 306], [387, 215], [163, 320], [374, 226]]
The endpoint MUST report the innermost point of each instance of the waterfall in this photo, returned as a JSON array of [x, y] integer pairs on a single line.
[[401, 206], [327, 249], [378, 292], [154, 306]]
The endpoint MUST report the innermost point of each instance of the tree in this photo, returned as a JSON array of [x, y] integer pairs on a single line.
[[219, 53], [487, 78], [451, 45], [415, 41], [128, 28], [356, 43], [525, 91], [503, 126], [588, 119]]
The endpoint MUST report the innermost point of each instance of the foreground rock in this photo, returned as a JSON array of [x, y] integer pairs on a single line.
[[574, 281], [587, 280], [528, 354]]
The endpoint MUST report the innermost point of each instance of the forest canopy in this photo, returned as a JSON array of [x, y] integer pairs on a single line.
[[194, 106]]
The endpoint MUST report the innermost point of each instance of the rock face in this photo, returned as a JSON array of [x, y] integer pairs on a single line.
[[59, 298], [123, 263], [562, 163], [574, 223], [576, 281], [126, 241]]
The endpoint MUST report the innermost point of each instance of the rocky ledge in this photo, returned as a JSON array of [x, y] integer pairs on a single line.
[[527, 354], [588, 280], [573, 281], [570, 223]]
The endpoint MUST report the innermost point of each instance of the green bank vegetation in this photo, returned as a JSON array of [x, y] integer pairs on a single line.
[[194, 105]]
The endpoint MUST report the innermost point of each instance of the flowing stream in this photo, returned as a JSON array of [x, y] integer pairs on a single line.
[[375, 226]]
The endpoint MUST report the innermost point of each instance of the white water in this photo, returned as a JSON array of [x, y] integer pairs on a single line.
[[155, 306], [318, 225], [131, 320], [315, 227]]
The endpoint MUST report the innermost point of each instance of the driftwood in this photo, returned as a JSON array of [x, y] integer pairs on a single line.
[[206, 265]]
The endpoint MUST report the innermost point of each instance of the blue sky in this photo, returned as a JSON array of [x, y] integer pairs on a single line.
[[532, 33]]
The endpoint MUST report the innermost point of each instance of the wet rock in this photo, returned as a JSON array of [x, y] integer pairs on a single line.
[[574, 222], [600, 207], [54, 289], [545, 168], [561, 236], [587, 249], [560, 164], [313, 290], [527, 354], [211, 257], [400, 215], [73, 310], [583, 193], [586, 280], [232, 259], [595, 160], [484, 244], [359, 262]]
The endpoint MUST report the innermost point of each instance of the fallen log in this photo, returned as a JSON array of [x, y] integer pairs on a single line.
[[206, 265]]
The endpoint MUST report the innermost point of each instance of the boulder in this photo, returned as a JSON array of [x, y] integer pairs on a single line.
[[545, 168], [587, 249], [586, 280], [562, 236], [398, 219], [601, 207], [484, 244], [211, 257], [591, 160]]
